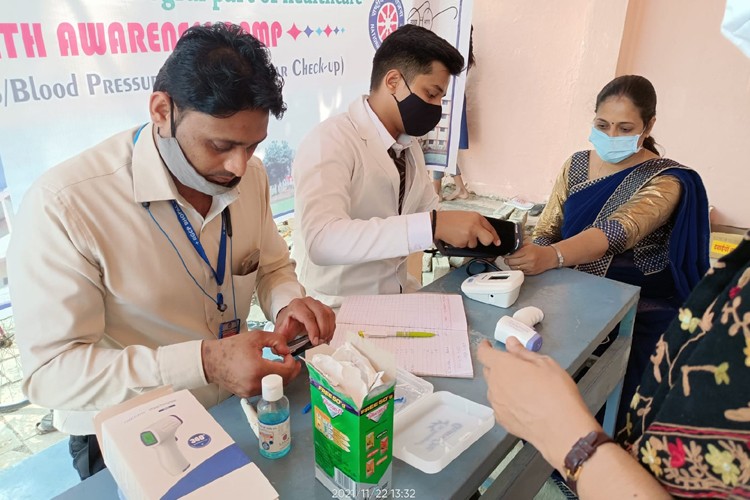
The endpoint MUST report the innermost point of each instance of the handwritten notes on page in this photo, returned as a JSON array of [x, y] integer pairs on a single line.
[[447, 354]]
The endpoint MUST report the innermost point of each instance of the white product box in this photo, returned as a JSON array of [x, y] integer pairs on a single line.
[[166, 445]]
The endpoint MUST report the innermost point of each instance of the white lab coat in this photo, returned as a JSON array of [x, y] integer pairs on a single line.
[[350, 239]]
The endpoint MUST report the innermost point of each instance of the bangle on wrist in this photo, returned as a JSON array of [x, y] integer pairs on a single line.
[[560, 258], [434, 223]]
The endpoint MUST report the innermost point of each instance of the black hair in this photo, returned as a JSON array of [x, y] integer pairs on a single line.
[[220, 70], [641, 93], [472, 62], [412, 49]]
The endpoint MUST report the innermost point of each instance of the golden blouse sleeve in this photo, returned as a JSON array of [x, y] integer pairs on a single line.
[[650, 208], [548, 229]]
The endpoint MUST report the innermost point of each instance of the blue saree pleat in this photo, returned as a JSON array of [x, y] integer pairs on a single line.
[[689, 242]]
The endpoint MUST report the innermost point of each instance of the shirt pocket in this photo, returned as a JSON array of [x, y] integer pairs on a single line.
[[244, 289]]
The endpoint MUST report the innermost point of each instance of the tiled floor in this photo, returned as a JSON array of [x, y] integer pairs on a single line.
[[19, 438]]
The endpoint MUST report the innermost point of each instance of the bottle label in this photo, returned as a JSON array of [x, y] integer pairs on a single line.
[[274, 437]]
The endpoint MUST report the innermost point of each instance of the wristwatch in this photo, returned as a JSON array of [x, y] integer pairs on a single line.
[[579, 453]]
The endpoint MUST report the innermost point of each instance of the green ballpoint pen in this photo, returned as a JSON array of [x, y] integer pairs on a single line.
[[397, 334]]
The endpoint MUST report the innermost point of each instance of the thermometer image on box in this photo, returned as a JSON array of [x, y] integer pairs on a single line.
[[161, 436]]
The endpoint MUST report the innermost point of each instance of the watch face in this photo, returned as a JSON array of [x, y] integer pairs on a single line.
[[148, 438]]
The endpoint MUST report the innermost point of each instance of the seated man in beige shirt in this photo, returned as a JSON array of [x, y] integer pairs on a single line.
[[137, 260]]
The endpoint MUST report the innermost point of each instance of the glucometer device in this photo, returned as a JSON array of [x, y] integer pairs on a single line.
[[499, 288], [161, 436], [299, 345]]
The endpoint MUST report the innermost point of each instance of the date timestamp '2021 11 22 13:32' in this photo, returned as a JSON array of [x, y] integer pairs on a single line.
[[378, 493]]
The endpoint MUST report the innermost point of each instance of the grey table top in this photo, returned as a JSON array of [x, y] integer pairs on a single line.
[[580, 310]]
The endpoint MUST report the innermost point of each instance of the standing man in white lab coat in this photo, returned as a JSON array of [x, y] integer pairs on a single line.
[[363, 198]]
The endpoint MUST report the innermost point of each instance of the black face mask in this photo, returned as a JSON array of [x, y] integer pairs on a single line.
[[418, 116]]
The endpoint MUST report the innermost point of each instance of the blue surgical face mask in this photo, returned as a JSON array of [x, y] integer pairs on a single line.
[[736, 24], [614, 149]]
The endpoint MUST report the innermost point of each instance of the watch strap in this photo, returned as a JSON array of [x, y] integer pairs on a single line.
[[581, 451], [433, 223]]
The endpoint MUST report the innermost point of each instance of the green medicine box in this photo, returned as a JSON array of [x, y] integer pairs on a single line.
[[353, 443]]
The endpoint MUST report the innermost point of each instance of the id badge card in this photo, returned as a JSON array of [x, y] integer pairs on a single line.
[[229, 328]]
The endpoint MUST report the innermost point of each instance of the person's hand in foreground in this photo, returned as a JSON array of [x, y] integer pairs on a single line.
[[536, 400]]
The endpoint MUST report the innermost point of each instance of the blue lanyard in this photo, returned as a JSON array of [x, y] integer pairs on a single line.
[[138, 133], [221, 263], [226, 229], [190, 233]]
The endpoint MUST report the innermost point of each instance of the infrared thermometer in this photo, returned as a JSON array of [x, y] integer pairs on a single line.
[[161, 437], [521, 326]]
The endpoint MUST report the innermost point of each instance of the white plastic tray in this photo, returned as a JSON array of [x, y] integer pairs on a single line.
[[437, 428], [409, 389]]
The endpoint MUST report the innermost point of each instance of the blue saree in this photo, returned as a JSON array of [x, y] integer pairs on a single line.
[[666, 264]]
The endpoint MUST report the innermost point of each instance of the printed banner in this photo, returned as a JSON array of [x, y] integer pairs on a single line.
[[76, 72]]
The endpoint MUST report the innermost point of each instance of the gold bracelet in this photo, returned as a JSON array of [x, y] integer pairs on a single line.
[[560, 258]]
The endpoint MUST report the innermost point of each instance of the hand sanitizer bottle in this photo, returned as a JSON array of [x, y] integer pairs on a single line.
[[274, 429]]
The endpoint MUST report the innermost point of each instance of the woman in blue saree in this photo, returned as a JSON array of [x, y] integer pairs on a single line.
[[624, 212]]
